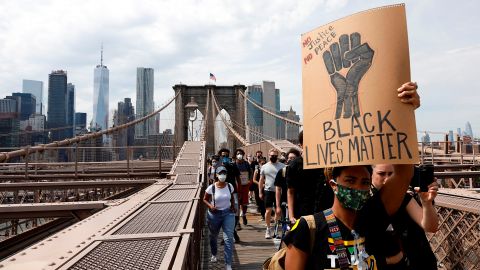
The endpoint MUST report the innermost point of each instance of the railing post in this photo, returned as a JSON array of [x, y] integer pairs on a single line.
[[76, 161], [26, 161], [473, 154], [431, 147], [160, 160], [128, 160], [461, 152], [423, 153]]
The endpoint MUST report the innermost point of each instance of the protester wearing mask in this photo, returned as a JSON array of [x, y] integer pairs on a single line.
[[350, 234], [211, 169], [245, 182], [281, 186], [233, 177], [266, 188], [219, 200]]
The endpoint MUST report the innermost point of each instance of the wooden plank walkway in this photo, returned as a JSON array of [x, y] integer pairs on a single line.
[[250, 252]]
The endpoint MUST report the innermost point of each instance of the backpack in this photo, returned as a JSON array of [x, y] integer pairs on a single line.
[[277, 261]]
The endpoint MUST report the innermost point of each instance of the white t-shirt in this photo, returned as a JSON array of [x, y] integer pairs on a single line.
[[222, 196]]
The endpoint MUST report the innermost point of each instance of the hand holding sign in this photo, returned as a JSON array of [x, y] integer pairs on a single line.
[[350, 50]]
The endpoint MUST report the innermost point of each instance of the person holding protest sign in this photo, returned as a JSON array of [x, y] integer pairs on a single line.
[[350, 233], [405, 243]]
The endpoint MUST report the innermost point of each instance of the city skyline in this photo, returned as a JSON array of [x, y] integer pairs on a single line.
[[218, 38]]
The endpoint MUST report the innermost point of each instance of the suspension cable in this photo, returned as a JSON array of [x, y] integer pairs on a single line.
[[269, 112], [27, 150], [238, 136]]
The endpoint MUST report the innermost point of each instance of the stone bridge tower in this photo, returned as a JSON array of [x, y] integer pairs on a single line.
[[228, 98]]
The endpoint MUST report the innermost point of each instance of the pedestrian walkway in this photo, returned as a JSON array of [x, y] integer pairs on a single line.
[[252, 250]]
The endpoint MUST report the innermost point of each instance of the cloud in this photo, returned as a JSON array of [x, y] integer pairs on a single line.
[[239, 41]]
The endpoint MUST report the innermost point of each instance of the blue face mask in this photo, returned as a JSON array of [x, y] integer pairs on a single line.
[[225, 160]]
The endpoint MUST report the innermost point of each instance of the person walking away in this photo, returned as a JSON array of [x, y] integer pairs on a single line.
[[266, 187], [219, 200], [245, 182]]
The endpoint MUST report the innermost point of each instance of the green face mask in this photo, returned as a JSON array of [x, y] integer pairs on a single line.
[[352, 198]]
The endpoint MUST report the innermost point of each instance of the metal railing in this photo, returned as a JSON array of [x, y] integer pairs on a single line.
[[457, 242]]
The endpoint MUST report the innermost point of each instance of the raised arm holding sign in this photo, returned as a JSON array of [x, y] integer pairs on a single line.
[[358, 111]]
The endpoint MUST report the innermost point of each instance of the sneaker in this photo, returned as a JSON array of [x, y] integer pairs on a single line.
[[228, 267], [245, 222], [236, 237], [213, 259], [239, 227], [267, 234]]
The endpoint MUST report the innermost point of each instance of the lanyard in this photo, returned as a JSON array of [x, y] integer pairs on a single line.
[[337, 239]]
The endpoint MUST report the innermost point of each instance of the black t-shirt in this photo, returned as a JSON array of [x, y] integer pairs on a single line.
[[413, 239], [280, 181], [312, 193], [372, 220]]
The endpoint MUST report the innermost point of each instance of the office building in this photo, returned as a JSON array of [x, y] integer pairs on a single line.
[[254, 115], [144, 103], [289, 131], [80, 123], [35, 88], [70, 110], [125, 113], [26, 103], [100, 95], [57, 104]]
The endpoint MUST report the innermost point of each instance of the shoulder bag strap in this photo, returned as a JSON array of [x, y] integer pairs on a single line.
[[213, 193], [312, 226], [337, 239]]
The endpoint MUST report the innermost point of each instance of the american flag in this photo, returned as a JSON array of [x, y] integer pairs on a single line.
[[212, 77]]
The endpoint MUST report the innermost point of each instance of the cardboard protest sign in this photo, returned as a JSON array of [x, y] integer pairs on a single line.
[[352, 69]]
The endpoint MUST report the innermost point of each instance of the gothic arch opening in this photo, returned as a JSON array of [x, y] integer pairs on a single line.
[[221, 131], [197, 125]]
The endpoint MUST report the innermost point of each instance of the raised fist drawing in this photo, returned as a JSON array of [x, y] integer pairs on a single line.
[[347, 53]]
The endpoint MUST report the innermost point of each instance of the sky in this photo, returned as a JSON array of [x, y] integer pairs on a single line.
[[242, 42]]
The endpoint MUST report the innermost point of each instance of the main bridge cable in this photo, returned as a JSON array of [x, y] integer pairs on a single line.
[[269, 112], [4, 156], [238, 136]]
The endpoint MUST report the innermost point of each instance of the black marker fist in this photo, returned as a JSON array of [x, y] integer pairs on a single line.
[[347, 53]]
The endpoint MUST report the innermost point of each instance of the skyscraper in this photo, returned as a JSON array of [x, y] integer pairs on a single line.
[[269, 103], [468, 130], [125, 113], [57, 103], [80, 123], [144, 104], [35, 88], [26, 104], [100, 95], [254, 114], [70, 110]]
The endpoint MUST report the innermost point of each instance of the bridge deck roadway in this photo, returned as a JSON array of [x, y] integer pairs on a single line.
[[152, 229]]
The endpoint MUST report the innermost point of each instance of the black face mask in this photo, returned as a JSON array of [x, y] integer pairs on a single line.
[[273, 159]]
